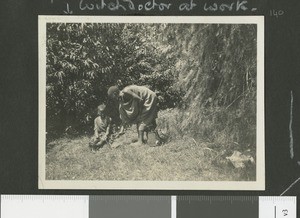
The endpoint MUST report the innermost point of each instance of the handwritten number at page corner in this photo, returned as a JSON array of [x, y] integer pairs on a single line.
[[276, 13]]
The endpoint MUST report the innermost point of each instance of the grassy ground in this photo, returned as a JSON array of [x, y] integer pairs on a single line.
[[179, 159]]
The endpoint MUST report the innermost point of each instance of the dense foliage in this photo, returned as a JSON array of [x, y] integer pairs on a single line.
[[207, 71], [217, 68], [84, 60]]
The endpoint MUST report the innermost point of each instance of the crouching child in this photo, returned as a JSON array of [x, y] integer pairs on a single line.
[[102, 129]]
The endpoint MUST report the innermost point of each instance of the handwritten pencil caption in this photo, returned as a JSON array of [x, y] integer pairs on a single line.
[[154, 5]]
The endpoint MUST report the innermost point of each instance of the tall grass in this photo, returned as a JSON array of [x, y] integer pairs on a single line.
[[217, 70]]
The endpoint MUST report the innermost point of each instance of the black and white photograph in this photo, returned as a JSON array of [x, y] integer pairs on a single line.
[[173, 103]]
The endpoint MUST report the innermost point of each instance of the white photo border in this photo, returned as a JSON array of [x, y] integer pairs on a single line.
[[259, 184]]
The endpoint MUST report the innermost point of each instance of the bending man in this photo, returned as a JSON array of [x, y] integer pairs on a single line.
[[137, 105]]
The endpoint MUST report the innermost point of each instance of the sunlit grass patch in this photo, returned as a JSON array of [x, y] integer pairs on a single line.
[[183, 159]]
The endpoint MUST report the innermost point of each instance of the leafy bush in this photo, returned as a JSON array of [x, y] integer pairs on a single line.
[[84, 60]]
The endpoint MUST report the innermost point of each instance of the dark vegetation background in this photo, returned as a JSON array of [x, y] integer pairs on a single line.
[[205, 76]]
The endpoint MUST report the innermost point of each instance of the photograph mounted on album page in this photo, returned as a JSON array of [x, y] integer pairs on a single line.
[[151, 103]]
